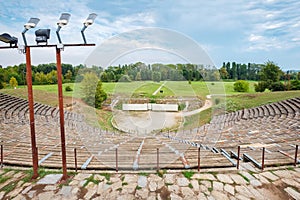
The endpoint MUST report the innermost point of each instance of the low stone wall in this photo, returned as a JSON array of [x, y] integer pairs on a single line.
[[150, 106]]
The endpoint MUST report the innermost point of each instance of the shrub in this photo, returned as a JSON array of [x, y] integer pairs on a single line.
[[241, 86], [2, 85], [125, 78], [277, 86], [295, 85], [260, 87], [68, 89]]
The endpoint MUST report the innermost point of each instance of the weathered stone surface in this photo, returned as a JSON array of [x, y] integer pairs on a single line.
[[270, 176], [187, 192], [152, 186], [284, 173], [130, 178], [201, 196], [195, 185], [247, 175], [46, 195], [292, 192], [224, 178], [50, 179], [218, 195], [182, 181], [142, 193], [261, 178], [238, 179], [126, 197], [169, 178], [229, 188], [218, 186], [174, 189], [142, 181], [82, 176], [255, 183], [66, 191], [205, 176], [174, 196]]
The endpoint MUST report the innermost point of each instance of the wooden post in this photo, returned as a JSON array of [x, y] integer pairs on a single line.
[[31, 113], [75, 155], [238, 159], [198, 159], [61, 114], [1, 155], [263, 159], [157, 152], [296, 155], [117, 160]]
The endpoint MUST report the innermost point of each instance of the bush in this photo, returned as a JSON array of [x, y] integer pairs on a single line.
[[68, 89], [2, 85], [260, 87], [277, 86], [241, 86], [125, 78], [295, 85]]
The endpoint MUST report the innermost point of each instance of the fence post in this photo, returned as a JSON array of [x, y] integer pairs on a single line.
[[157, 152], [198, 159], [296, 155], [1, 155], [116, 159], [263, 159], [37, 154], [238, 159], [75, 155]]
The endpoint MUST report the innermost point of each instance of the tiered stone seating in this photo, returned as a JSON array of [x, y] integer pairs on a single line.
[[274, 126]]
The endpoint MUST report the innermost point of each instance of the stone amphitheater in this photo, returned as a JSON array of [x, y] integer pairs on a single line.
[[274, 127]]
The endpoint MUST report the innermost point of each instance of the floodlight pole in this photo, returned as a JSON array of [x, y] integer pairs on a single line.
[[31, 113], [82, 33], [61, 113]]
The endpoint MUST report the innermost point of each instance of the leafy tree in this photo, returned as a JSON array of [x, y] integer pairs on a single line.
[[100, 95], [88, 86], [69, 75], [138, 76], [156, 76], [125, 78], [223, 73], [270, 73], [13, 82], [103, 77], [241, 86]]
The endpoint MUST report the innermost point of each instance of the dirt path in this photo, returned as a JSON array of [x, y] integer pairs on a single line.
[[208, 104]]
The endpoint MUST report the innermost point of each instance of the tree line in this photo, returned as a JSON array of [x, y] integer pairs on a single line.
[[46, 73]]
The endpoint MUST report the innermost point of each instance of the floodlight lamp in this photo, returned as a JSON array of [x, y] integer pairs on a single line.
[[64, 19], [90, 20], [42, 36], [31, 23]]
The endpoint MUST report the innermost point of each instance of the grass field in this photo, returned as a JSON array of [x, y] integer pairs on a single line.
[[47, 94]]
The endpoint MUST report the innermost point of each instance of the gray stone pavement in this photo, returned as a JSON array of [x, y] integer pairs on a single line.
[[277, 183]]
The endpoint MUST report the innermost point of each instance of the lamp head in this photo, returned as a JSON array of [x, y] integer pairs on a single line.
[[64, 19], [90, 20], [31, 23]]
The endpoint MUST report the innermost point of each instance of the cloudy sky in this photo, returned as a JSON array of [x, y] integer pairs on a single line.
[[241, 31]]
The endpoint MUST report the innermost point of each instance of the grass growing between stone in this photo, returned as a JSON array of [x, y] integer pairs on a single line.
[[188, 174]]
